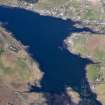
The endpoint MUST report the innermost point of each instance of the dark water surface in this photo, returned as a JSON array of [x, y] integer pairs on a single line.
[[45, 36]]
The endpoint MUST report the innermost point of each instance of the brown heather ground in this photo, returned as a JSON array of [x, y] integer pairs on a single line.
[[17, 69]]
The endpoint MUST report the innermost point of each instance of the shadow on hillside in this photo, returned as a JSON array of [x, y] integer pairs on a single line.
[[45, 35]]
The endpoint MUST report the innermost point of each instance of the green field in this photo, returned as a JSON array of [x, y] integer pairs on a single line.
[[93, 72], [99, 54], [45, 4]]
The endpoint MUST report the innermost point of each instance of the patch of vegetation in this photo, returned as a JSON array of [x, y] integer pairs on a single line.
[[1, 50], [5, 70], [80, 39], [8, 71], [21, 63], [93, 72], [1, 72], [91, 14], [45, 4], [79, 43], [82, 50], [22, 69], [99, 54], [101, 88]]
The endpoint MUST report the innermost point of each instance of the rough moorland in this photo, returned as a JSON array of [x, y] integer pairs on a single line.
[[17, 70]]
